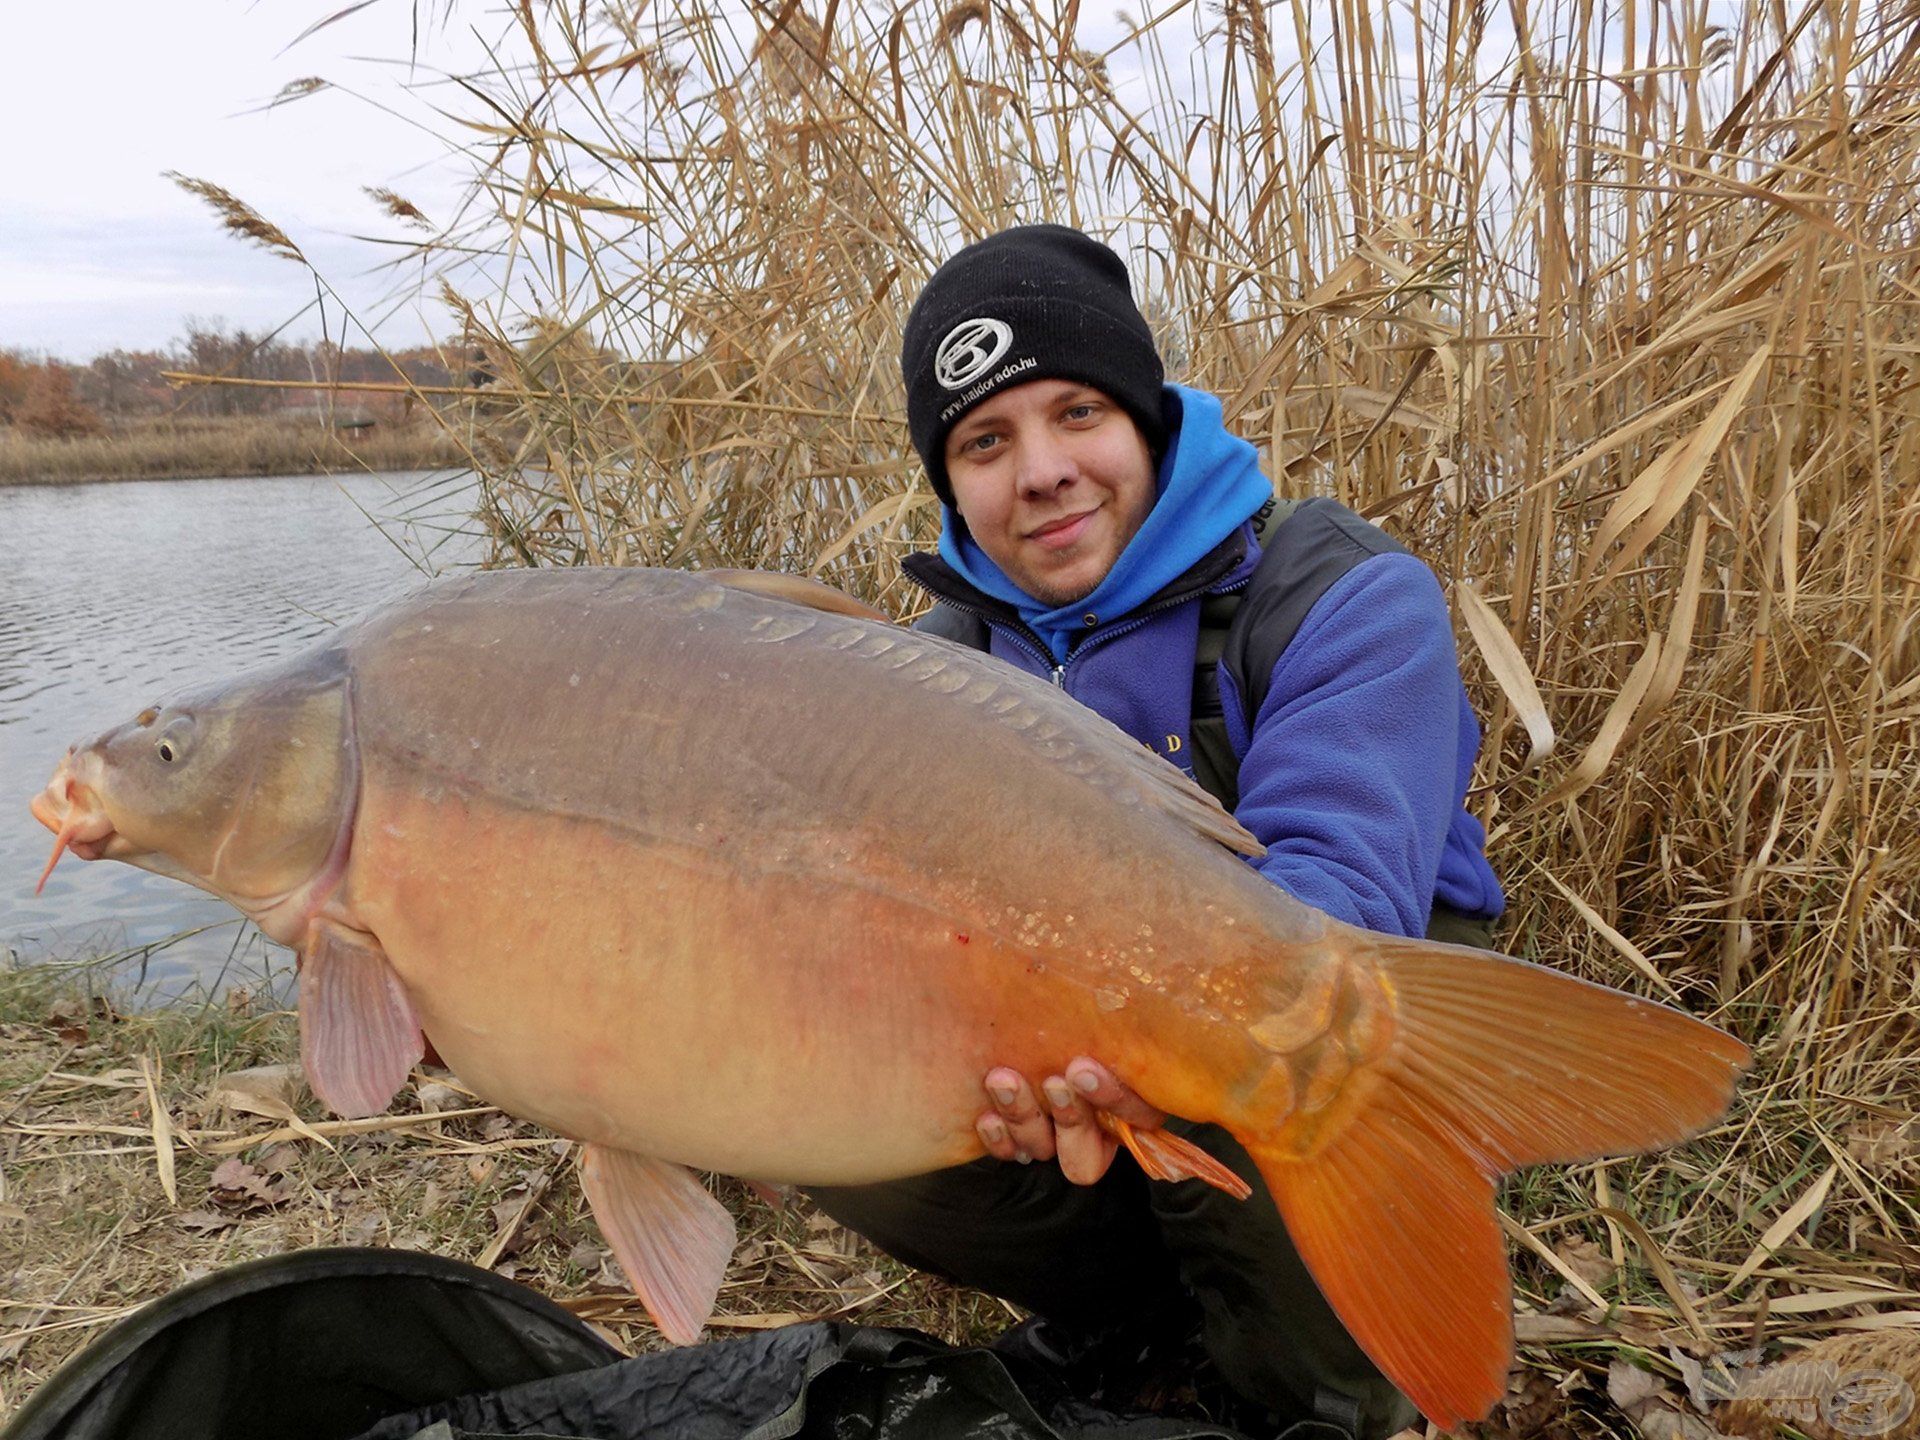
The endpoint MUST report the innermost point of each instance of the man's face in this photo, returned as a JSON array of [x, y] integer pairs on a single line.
[[1053, 478]]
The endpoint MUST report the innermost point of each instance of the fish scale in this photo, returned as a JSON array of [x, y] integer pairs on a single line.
[[724, 871]]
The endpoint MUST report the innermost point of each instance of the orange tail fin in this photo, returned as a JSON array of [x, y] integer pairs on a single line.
[[1493, 1064]]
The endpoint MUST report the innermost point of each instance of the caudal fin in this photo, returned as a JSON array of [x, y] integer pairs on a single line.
[[1493, 1064]]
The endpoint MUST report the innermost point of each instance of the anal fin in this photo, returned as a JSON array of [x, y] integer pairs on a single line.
[[359, 1037], [671, 1237], [1164, 1156]]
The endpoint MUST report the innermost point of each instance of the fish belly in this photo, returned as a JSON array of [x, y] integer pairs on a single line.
[[787, 1019]]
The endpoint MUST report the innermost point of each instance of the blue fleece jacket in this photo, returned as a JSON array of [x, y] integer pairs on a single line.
[[1355, 773]]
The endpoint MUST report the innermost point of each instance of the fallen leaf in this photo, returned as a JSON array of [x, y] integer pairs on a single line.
[[771, 1194], [1660, 1423], [162, 1132], [1628, 1385], [1541, 1329], [1885, 1147], [778, 1320], [1529, 1404], [237, 1186], [69, 1028], [608, 1279], [233, 1175], [508, 1209], [435, 1097], [205, 1222], [1586, 1258], [263, 1090]]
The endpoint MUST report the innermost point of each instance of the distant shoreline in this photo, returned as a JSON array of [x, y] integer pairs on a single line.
[[251, 448]]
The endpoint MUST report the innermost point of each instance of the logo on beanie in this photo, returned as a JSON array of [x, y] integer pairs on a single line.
[[970, 347]]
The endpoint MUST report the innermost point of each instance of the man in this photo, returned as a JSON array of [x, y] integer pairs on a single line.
[[1098, 525]]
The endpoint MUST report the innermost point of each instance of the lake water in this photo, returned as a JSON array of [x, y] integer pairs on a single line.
[[113, 595]]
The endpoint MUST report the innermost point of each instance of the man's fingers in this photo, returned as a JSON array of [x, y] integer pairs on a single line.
[[993, 1134], [1028, 1126], [1060, 1123], [1085, 1150], [1100, 1088]]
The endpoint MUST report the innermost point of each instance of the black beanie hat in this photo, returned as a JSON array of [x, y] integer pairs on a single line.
[[1038, 302]]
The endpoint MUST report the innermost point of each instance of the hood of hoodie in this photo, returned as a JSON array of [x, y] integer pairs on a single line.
[[1209, 482]]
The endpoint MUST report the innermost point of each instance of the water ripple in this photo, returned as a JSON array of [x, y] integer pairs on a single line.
[[113, 595]]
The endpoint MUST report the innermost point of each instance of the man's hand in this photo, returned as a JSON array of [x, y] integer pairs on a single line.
[[1061, 1122]]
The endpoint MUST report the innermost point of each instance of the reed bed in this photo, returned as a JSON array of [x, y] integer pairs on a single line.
[[1607, 313], [186, 448]]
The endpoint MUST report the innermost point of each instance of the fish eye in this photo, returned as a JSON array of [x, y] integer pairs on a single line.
[[174, 740]]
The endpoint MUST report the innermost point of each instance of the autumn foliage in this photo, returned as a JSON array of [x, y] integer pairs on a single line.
[[51, 406]]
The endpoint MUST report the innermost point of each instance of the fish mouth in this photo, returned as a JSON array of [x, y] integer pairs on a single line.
[[79, 822]]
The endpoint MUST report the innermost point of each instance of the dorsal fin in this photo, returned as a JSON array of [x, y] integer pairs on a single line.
[[1181, 796], [1123, 761], [796, 590]]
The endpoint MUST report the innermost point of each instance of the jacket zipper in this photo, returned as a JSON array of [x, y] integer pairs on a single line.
[[1024, 637], [1145, 615]]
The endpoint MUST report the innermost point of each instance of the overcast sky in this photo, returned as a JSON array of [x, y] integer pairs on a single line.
[[98, 99]]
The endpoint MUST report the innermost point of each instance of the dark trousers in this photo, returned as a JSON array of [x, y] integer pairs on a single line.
[[1131, 1252]]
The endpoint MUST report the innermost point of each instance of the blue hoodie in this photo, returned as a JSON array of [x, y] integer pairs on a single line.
[[1355, 773]]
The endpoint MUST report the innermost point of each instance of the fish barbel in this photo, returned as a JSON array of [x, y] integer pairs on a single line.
[[726, 872]]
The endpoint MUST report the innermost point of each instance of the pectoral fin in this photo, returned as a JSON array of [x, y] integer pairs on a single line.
[[359, 1037], [671, 1237]]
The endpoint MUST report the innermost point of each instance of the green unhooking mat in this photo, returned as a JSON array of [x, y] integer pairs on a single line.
[[353, 1344]]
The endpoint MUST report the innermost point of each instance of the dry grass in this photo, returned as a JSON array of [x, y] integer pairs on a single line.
[[1612, 320], [192, 448]]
